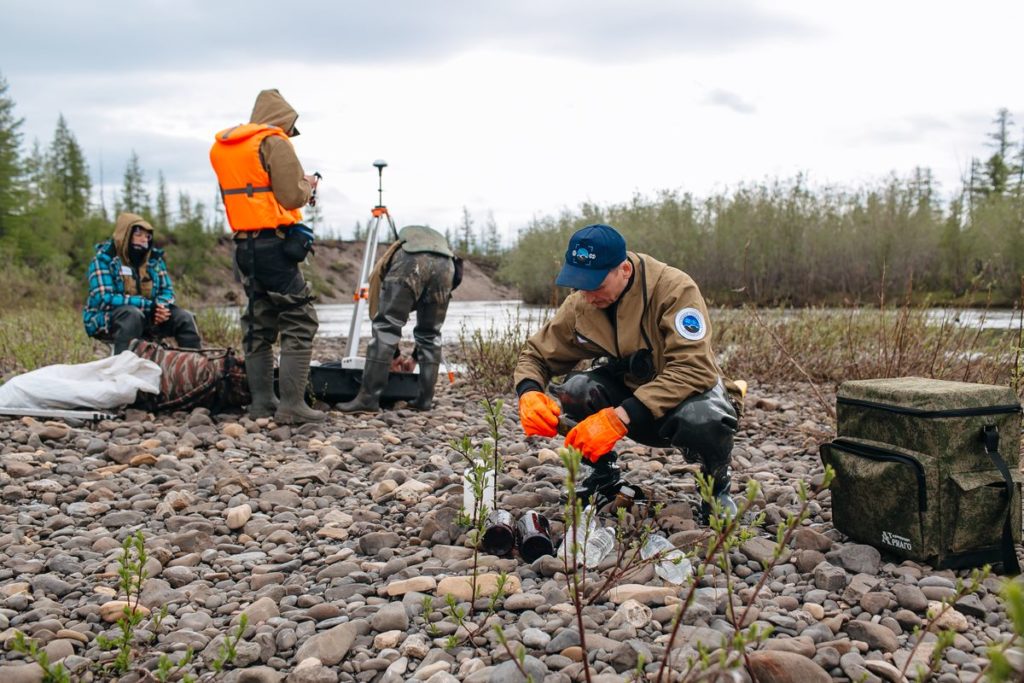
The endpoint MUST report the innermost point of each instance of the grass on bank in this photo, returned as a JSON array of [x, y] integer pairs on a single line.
[[31, 338], [41, 320], [831, 346], [826, 346]]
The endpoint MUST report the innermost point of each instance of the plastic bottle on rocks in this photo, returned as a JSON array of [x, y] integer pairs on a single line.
[[597, 541], [667, 567], [469, 495]]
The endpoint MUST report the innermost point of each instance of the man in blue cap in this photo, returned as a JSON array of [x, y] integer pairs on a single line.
[[654, 378]]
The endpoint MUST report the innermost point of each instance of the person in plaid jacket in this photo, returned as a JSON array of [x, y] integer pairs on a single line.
[[130, 291]]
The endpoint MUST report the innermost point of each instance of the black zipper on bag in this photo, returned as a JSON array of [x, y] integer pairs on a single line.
[[918, 412], [881, 454]]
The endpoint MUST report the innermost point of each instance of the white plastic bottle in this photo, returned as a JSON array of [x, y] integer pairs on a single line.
[[600, 544], [672, 565], [596, 542], [469, 495]]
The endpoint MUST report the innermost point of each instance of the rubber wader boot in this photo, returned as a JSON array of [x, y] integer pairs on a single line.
[[259, 370], [720, 490], [428, 378], [375, 378], [604, 481], [292, 380]]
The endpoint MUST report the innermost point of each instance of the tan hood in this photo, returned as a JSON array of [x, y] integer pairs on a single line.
[[272, 109], [123, 233]]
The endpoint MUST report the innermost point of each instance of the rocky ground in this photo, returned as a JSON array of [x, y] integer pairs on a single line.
[[331, 537]]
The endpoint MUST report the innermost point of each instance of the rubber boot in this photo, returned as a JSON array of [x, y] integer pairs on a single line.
[[292, 379], [259, 371], [375, 379], [720, 490], [428, 379]]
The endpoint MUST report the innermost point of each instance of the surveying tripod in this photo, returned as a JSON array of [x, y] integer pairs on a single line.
[[380, 212]]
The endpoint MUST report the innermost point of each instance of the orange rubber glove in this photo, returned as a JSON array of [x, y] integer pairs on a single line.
[[597, 434], [538, 413]]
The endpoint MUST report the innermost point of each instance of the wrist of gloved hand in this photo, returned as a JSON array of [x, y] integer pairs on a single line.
[[597, 434]]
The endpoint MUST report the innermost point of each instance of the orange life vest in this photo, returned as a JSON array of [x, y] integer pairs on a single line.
[[244, 184]]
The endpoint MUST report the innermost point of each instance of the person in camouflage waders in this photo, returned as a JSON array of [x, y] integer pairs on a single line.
[[417, 273]]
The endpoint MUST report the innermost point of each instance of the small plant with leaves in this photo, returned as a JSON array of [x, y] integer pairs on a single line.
[[227, 651], [944, 637], [428, 609], [1000, 668], [168, 670], [484, 463], [725, 533], [52, 673], [132, 575], [518, 656]]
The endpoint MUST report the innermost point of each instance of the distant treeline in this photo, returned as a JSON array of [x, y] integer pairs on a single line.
[[49, 224], [772, 243], [784, 243]]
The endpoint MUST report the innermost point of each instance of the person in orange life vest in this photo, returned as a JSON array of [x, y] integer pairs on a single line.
[[264, 186]]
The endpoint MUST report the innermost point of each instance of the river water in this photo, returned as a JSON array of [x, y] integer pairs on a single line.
[[335, 319], [469, 316], [483, 315]]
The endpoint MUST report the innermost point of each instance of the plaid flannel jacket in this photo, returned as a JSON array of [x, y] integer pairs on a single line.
[[106, 288]]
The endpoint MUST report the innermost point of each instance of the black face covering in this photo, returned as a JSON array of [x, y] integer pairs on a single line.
[[137, 254]]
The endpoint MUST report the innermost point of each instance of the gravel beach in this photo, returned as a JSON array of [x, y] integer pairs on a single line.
[[330, 537]]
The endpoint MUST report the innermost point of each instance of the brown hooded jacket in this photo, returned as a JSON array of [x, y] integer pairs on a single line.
[[291, 189], [122, 238]]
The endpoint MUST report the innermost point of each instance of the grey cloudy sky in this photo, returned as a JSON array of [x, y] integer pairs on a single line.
[[523, 108]]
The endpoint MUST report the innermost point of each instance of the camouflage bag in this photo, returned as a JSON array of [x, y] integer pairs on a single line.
[[928, 470], [210, 378]]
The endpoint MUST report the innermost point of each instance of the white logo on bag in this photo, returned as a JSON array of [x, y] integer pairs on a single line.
[[901, 542]]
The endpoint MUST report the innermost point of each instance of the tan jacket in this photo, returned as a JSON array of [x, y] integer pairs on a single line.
[[683, 358], [288, 180]]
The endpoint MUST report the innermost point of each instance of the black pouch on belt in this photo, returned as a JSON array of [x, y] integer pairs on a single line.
[[298, 242]]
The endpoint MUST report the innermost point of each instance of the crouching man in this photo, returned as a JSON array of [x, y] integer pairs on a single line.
[[654, 377]]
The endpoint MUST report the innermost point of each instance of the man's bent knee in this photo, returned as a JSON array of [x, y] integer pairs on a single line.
[[703, 426]]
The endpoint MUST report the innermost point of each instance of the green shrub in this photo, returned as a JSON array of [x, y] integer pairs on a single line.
[[32, 338], [490, 355]]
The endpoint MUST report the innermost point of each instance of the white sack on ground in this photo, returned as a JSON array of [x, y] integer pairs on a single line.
[[102, 384]]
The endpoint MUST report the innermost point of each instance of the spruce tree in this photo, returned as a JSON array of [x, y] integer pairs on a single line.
[[68, 174], [134, 198], [163, 211], [999, 169], [11, 196], [467, 241], [490, 239]]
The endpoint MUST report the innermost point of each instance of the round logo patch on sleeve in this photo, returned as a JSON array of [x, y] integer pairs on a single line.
[[690, 324]]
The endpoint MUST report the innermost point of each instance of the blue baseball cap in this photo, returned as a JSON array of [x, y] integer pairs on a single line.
[[593, 252]]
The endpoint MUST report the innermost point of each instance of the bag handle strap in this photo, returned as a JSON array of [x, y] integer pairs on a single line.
[[990, 435]]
